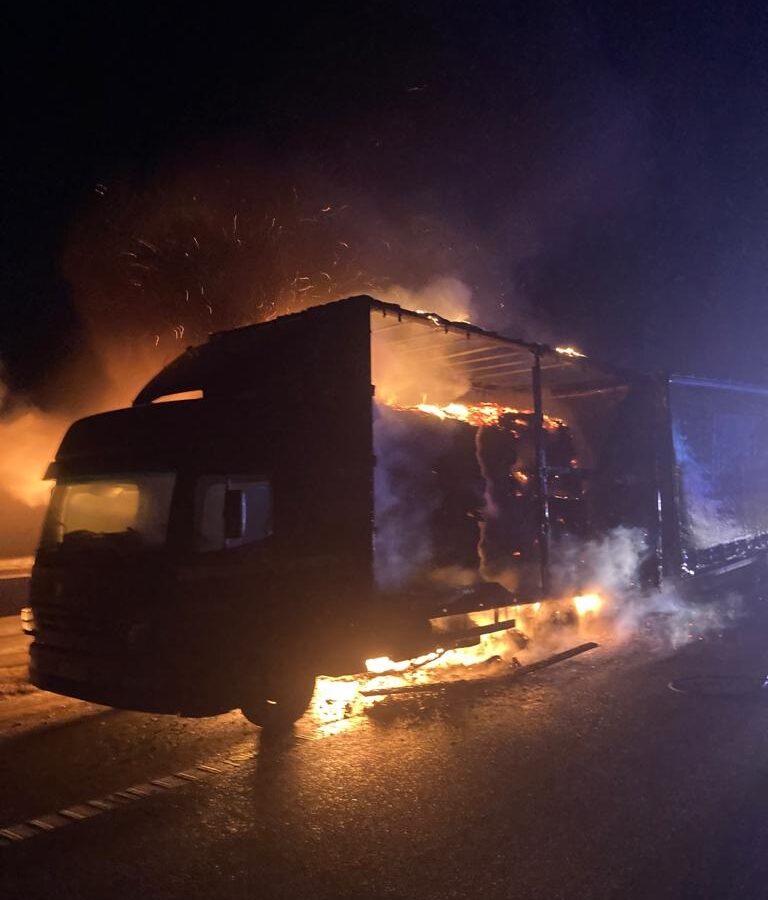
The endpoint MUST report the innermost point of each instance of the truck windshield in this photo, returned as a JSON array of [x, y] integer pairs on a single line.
[[128, 507]]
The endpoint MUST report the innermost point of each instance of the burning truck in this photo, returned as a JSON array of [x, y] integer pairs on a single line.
[[361, 482]]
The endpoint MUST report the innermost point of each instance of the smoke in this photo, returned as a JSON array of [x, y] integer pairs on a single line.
[[611, 566], [156, 267], [231, 240], [610, 562], [416, 494], [232, 236], [28, 439], [604, 578], [666, 619], [447, 296], [404, 379], [708, 522], [30, 435], [405, 499]]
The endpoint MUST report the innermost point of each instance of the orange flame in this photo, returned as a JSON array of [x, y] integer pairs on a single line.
[[571, 351], [480, 413], [588, 604], [338, 701]]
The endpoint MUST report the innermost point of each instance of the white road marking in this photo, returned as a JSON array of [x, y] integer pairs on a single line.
[[78, 812]]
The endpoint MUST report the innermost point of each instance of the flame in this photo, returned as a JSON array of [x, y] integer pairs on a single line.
[[457, 316], [337, 702], [570, 351], [588, 604], [419, 669], [480, 413], [383, 664]]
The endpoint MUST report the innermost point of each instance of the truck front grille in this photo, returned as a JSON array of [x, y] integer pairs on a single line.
[[72, 629]]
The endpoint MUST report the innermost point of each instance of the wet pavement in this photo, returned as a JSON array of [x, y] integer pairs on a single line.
[[591, 779]]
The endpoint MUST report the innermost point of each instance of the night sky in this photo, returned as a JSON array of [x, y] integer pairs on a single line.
[[595, 174]]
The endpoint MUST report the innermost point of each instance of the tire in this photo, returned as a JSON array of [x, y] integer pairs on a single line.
[[279, 700]]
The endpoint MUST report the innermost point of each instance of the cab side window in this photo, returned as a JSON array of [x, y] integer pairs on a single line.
[[209, 511]]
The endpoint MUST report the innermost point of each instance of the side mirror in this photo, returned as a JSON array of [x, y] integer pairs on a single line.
[[234, 514]]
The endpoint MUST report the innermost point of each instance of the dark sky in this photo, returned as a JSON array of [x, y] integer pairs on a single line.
[[595, 171]]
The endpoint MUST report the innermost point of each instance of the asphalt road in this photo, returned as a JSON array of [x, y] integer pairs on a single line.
[[591, 779]]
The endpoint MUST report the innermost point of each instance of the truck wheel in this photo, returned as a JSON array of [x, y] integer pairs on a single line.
[[279, 701]]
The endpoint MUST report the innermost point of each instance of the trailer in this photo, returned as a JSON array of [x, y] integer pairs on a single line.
[[358, 481]]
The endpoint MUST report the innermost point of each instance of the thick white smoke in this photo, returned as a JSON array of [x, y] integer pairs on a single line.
[[610, 562], [708, 522], [611, 565], [403, 539], [447, 296]]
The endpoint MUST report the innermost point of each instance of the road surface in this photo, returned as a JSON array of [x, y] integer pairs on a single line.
[[14, 584], [591, 779]]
